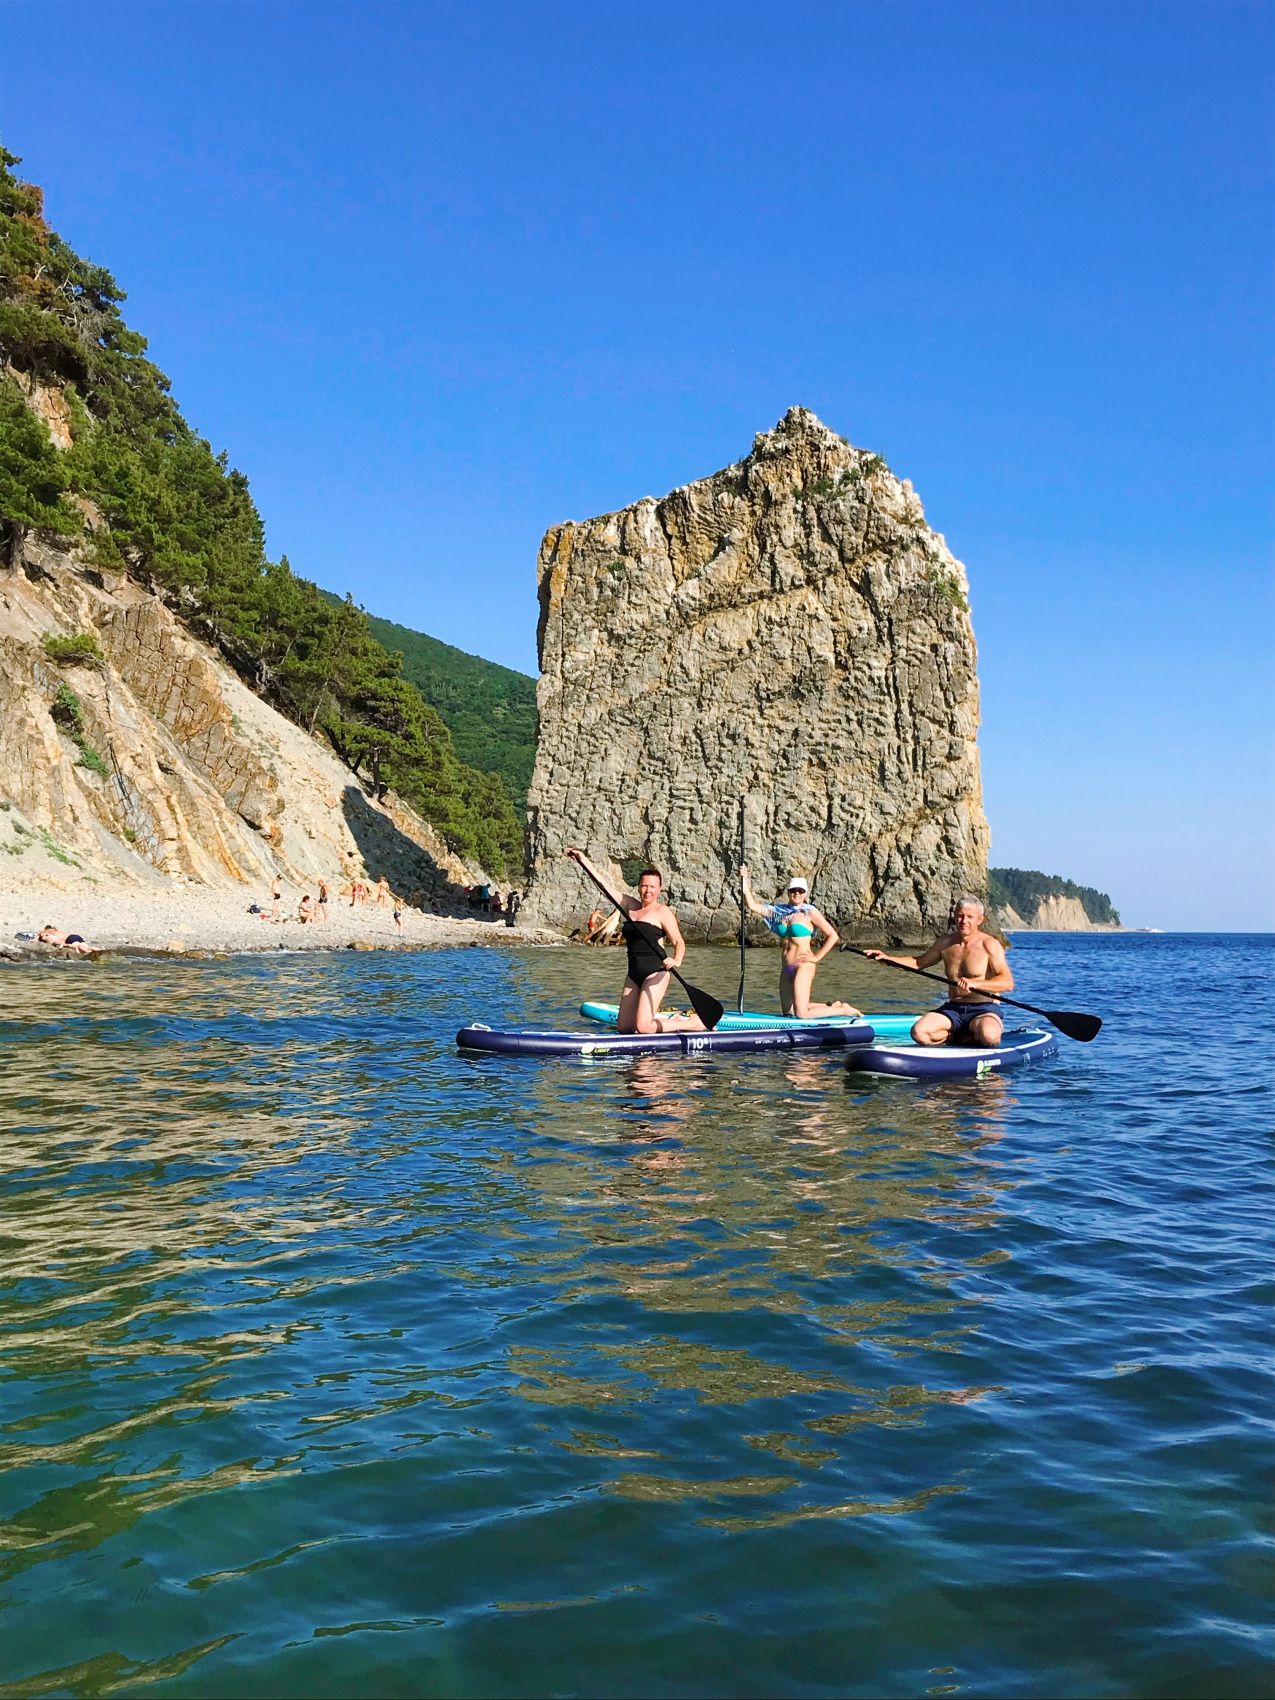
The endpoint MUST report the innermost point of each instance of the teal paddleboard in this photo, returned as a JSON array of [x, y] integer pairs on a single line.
[[885, 1027]]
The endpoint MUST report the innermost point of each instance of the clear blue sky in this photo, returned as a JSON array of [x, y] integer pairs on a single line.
[[438, 277]]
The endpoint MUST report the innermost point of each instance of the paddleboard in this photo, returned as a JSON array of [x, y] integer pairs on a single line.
[[528, 1043], [950, 1062], [748, 1020]]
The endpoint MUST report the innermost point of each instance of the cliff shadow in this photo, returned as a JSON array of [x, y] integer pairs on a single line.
[[390, 854]]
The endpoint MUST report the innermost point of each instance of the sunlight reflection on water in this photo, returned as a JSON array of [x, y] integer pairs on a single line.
[[333, 1360]]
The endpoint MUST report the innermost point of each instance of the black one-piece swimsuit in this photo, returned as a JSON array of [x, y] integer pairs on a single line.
[[644, 958]]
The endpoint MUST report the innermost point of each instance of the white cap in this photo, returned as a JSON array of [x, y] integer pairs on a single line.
[[796, 883]]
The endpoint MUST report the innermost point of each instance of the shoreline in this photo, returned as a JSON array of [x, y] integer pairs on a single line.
[[199, 922]]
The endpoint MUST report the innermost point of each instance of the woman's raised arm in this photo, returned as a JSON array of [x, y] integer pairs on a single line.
[[750, 902]]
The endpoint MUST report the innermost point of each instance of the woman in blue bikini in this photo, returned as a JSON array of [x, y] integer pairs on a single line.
[[795, 924]]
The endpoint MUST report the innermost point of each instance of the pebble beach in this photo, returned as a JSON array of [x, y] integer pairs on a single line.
[[178, 918]]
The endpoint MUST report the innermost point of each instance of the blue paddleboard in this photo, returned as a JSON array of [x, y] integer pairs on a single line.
[[909, 1061], [529, 1043]]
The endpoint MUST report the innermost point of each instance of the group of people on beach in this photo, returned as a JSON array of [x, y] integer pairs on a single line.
[[973, 960], [311, 909], [489, 902], [315, 909]]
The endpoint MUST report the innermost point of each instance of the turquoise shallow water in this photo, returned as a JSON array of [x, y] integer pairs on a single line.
[[334, 1362]]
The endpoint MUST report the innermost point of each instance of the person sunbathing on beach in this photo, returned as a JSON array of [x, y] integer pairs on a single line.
[[305, 909], [74, 942]]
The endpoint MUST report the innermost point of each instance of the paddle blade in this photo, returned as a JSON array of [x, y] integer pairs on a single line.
[[1074, 1023], [705, 1006]]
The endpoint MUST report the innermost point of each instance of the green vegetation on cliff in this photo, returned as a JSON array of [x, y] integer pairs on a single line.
[[1023, 888], [489, 710], [150, 498]]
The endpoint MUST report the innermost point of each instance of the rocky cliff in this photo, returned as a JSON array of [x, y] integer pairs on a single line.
[[150, 760], [788, 630], [95, 452], [1053, 915], [1026, 898]]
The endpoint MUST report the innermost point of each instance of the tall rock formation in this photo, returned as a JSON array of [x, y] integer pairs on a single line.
[[788, 630]]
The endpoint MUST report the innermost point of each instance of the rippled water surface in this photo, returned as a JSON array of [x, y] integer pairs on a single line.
[[332, 1361]]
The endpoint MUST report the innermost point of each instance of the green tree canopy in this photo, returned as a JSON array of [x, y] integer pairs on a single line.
[[1023, 888], [180, 519]]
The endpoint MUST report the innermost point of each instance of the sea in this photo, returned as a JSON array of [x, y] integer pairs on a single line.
[[336, 1362]]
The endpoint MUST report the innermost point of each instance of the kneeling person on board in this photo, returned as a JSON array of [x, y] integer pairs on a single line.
[[795, 924], [975, 964], [648, 976]]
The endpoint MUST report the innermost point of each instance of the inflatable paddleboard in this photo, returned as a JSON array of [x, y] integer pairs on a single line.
[[749, 1020], [525, 1043], [950, 1062]]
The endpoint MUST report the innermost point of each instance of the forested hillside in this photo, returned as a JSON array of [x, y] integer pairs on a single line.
[[1022, 889], [93, 448], [489, 710]]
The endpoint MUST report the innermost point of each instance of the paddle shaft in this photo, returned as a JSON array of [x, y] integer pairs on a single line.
[[1069, 1022], [696, 996], [743, 913]]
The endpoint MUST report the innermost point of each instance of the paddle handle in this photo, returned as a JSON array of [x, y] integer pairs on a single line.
[[942, 980], [610, 896]]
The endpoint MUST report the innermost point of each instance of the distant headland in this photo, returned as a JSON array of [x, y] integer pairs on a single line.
[[1024, 898]]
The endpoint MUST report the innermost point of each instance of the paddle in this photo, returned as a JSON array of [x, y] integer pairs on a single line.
[[705, 1006], [743, 913], [1074, 1023]]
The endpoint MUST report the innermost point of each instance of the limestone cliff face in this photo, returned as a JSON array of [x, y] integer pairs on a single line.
[[192, 775], [788, 630]]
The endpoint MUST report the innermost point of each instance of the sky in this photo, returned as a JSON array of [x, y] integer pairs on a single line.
[[438, 277]]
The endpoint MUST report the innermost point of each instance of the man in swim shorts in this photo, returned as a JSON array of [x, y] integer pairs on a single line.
[[975, 964], [73, 942]]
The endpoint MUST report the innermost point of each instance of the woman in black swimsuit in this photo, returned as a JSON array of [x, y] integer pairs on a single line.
[[647, 979]]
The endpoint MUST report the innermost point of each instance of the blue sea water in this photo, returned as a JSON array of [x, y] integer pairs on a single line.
[[333, 1361]]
